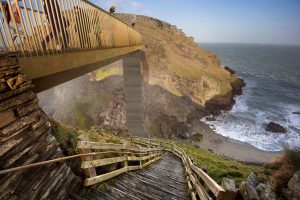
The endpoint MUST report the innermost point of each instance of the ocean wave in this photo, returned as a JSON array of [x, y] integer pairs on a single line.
[[247, 124]]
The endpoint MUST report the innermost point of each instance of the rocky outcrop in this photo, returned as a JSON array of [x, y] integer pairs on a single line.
[[293, 190], [230, 69], [254, 189], [248, 187], [25, 137], [187, 82], [275, 128], [229, 186], [182, 82]]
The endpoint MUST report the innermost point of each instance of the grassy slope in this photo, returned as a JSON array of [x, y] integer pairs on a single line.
[[217, 166], [67, 137]]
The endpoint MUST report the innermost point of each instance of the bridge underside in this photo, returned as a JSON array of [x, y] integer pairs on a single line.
[[159, 181], [49, 71]]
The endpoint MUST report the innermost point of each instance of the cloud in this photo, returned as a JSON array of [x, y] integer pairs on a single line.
[[136, 5], [131, 6]]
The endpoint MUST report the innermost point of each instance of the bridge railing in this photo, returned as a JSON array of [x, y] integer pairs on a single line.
[[50, 27], [111, 160], [198, 181]]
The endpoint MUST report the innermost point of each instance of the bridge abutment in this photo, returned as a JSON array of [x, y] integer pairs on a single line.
[[25, 137]]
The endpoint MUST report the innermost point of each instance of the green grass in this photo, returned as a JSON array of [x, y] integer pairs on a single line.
[[219, 167], [102, 74], [80, 116], [103, 187], [66, 137]]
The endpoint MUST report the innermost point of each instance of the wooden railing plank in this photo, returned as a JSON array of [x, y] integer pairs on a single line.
[[98, 145], [189, 167], [101, 162], [104, 177]]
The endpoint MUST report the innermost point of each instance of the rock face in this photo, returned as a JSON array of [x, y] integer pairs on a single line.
[[25, 137], [248, 188], [230, 188], [182, 82], [293, 190], [275, 128], [229, 69], [91, 100], [254, 189], [180, 79]]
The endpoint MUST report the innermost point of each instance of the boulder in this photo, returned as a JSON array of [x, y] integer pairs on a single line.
[[230, 188], [275, 128], [230, 70], [265, 192], [210, 118], [294, 186], [237, 86], [248, 187], [253, 179]]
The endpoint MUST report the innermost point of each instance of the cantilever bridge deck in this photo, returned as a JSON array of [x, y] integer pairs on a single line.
[[60, 40]]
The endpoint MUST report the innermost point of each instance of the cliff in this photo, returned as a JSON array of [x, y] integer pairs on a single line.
[[181, 82]]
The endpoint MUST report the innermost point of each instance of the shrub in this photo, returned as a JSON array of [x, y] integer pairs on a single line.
[[285, 167]]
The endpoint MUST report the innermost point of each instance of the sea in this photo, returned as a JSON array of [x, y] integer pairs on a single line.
[[272, 94]]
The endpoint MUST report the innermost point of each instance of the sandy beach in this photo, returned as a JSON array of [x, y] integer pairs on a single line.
[[228, 147]]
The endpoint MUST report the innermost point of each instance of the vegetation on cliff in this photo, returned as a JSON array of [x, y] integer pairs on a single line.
[[285, 167], [219, 167]]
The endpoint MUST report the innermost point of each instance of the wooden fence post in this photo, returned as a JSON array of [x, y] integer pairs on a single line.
[[126, 161], [89, 172]]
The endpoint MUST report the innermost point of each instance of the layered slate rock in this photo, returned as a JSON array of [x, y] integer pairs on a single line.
[[25, 137]]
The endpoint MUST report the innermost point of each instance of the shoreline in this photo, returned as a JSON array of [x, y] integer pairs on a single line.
[[228, 147]]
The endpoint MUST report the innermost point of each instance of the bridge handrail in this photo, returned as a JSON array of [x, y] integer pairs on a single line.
[[195, 176], [131, 159], [60, 26]]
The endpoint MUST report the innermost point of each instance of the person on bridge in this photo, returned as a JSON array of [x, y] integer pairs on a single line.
[[112, 10], [17, 19], [57, 21]]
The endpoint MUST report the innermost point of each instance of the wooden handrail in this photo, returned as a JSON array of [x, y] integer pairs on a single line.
[[39, 164], [194, 174], [141, 157], [51, 27]]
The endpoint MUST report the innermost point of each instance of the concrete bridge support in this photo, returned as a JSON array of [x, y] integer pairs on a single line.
[[133, 94]]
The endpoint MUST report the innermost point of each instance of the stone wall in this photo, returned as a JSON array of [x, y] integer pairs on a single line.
[[25, 137]]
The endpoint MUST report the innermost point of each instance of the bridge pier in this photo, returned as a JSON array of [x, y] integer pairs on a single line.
[[133, 94]]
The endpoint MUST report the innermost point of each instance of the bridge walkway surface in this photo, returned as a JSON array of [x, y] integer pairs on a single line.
[[162, 180]]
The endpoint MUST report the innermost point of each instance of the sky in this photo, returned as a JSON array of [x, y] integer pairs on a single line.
[[228, 21]]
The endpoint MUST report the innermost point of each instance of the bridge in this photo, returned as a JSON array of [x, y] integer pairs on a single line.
[[59, 40]]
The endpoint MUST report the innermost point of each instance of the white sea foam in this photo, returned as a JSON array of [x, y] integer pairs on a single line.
[[272, 94], [239, 125]]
